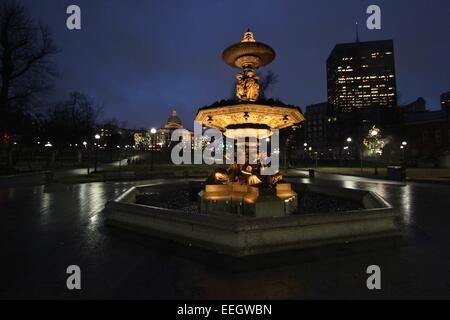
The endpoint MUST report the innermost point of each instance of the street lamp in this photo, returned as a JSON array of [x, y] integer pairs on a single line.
[[152, 145], [403, 147], [316, 154], [85, 146], [305, 154], [349, 141], [97, 137]]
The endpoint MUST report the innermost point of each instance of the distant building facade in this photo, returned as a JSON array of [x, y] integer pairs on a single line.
[[428, 134], [445, 101], [362, 93], [161, 138], [417, 106], [338, 136], [361, 75], [320, 130], [164, 134]]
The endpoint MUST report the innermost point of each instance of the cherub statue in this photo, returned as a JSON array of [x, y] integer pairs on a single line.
[[240, 87], [252, 86], [275, 179], [253, 180], [247, 88], [221, 176]]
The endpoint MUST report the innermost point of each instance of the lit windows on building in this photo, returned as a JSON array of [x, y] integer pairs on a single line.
[[361, 75]]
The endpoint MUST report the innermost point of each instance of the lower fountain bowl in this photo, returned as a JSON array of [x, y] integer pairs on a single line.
[[140, 210]]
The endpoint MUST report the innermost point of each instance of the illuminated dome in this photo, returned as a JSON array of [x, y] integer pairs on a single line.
[[174, 122]]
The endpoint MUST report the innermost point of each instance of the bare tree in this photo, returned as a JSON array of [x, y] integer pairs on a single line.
[[267, 82], [72, 120], [25, 65]]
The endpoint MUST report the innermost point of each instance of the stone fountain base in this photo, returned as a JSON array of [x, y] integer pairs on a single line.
[[240, 235]]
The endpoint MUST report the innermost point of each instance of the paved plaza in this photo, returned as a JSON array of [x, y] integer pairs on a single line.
[[46, 228]]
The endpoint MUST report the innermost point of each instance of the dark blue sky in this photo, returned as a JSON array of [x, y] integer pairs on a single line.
[[140, 58]]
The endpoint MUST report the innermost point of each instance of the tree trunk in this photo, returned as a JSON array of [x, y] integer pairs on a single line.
[[10, 156], [79, 157]]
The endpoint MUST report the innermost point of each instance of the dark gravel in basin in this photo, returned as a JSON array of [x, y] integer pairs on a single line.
[[308, 202]]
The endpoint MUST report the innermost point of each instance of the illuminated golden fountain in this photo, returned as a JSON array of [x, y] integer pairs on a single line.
[[244, 212], [241, 188]]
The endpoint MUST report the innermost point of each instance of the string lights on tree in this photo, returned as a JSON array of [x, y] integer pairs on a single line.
[[374, 144]]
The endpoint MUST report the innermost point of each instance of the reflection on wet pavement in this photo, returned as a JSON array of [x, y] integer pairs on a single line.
[[46, 228]]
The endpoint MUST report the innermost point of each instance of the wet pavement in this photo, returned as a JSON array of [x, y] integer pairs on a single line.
[[36, 178], [44, 229]]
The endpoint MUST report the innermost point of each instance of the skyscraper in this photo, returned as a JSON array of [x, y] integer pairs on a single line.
[[361, 75]]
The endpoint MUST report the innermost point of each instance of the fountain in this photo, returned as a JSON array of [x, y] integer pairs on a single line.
[[239, 211], [242, 189]]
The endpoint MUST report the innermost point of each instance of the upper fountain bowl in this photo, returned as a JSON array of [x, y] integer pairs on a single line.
[[248, 53]]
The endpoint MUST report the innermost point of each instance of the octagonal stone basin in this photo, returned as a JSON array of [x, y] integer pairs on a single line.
[[240, 236]]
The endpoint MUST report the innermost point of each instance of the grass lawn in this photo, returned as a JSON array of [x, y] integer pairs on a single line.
[[179, 171], [140, 172], [411, 173]]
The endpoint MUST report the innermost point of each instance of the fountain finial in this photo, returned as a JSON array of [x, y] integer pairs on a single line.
[[248, 36]]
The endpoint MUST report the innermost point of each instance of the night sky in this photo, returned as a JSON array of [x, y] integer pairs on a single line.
[[140, 58]]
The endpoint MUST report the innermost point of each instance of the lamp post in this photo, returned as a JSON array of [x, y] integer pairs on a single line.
[[152, 146], [403, 147], [361, 158], [85, 147], [310, 156], [316, 154], [305, 158], [97, 138], [349, 147]]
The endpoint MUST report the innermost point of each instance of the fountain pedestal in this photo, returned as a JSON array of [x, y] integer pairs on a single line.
[[248, 200]]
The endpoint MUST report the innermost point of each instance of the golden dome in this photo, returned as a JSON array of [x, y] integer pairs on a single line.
[[174, 122]]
